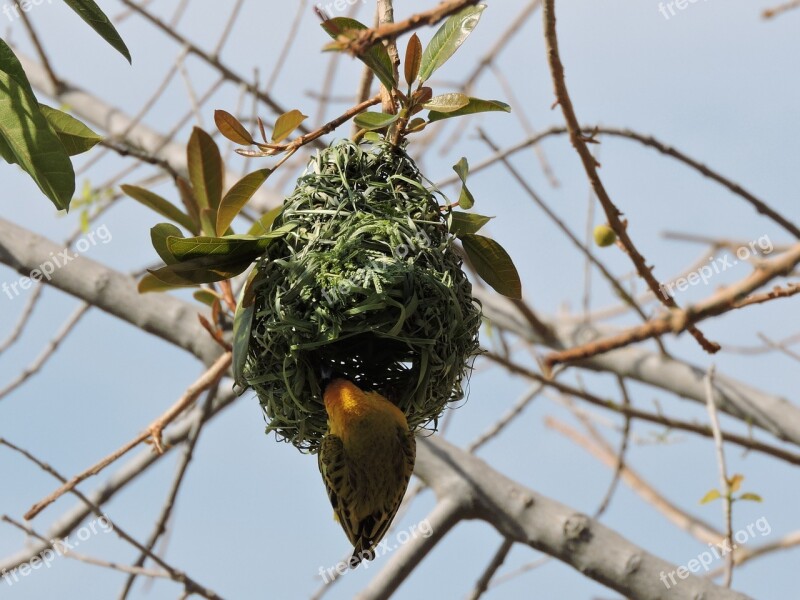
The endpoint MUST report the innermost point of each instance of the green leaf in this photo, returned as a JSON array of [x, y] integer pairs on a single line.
[[374, 120], [462, 223], [242, 324], [189, 201], [9, 63], [710, 496], [376, 58], [27, 137], [264, 224], [416, 125], [751, 496], [97, 20], [151, 283], [493, 264], [448, 38], [204, 269], [230, 127], [232, 245], [160, 205], [159, 235], [447, 103], [76, 137], [476, 105], [206, 296], [237, 197], [413, 59], [465, 199], [286, 124], [205, 170]]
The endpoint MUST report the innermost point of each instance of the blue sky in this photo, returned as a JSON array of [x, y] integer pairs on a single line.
[[252, 520]]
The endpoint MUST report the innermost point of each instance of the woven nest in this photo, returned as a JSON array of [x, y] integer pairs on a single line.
[[368, 285]]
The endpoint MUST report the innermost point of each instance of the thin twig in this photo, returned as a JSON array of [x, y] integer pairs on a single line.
[[369, 37], [565, 229], [725, 482], [730, 298], [24, 318], [623, 449], [497, 561], [48, 351], [773, 12], [207, 380], [63, 550], [669, 422], [169, 504], [579, 142], [178, 576]]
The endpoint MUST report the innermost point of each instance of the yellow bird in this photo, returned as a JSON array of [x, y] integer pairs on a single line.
[[366, 459]]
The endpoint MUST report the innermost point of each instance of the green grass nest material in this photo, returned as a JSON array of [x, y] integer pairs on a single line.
[[369, 285]]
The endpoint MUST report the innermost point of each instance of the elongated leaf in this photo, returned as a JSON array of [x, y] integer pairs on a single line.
[[231, 246], [160, 205], [159, 235], [462, 223], [447, 103], [711, 495], [264, 224], [475, 105], [465, 199], [374, 120], [286, 124], [237, 197], [9, 63], [28, 138], [205, 169], [150, 283], [231, 128], [97, 20], [204, 269], [413, 59], [76, 137], [493, 264], [448, 38], [6, 153], [750, 496], [242, 324], [416, 125], [376, 58], [189, 202], [206, 296]]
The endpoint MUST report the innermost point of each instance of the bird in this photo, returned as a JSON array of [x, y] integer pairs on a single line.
[[366, 459]]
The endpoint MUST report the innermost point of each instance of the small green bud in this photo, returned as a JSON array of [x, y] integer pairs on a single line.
[[604, 236]]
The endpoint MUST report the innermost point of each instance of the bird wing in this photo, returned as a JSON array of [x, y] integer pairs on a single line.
[[337, 479], [373, 527]]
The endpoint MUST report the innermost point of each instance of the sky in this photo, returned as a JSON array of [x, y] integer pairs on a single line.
[[252, 520]]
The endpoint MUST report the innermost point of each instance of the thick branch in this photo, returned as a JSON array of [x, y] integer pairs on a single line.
[[164, 316], [529, 518]]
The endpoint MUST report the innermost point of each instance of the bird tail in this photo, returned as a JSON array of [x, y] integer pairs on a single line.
[[360, 554]]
